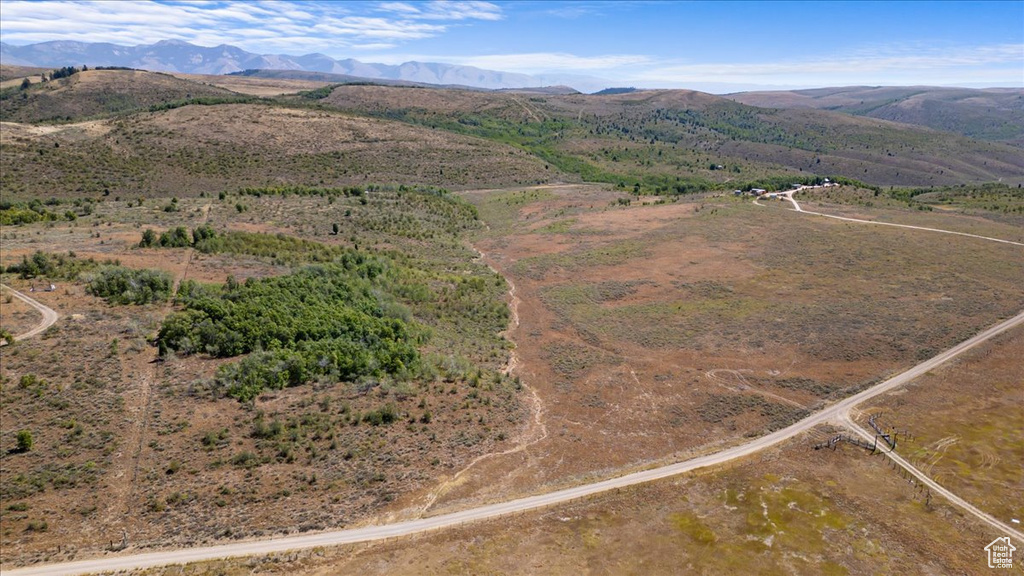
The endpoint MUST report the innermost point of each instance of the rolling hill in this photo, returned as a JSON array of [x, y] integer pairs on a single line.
[[12, 72], [191, 150], [100, 92], [685, 140], [995, 114], [154, 134]]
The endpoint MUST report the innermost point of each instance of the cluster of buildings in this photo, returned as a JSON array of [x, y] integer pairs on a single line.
[[758, 192]]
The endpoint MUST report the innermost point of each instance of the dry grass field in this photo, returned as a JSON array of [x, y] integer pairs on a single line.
[[677, 328], [671, 328], [791, 510], [254, 86], [965, 423], [13, 75], [100, 93]]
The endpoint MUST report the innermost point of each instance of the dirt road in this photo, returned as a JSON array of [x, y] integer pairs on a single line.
[[788, 195], [932, 485], [49, 316], [837, 413]]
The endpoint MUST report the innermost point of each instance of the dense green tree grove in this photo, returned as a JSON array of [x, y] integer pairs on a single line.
[[64, 72], [34, 211], [332, 319], [121, 285], [420, 310], [52, 266]]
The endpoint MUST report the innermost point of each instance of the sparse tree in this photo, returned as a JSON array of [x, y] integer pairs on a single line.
[[24, 440], [148, 238]]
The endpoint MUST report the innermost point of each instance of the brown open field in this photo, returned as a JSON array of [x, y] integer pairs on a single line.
[[670, 328], [254, 86], [965, 421], [18, 316], [676, 328], [791, 510]]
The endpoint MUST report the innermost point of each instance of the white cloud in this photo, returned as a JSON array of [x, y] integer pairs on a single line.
[[373, 46], [400, 7], [1001, 64], [445, 10], [290, 26]]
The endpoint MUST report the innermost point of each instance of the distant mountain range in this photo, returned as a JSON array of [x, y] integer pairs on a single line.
[[178, 56]]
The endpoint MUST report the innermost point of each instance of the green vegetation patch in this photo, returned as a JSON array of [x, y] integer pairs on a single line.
[[501, 210], [121, 285], [692, 526], [992, 197], [15, 214], [332, 319], [53, 266], [279, 248]]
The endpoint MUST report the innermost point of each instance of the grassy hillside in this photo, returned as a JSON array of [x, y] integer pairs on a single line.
[[148, 140], [10, 72], [995, 114], [195, 149], [683, 140], [99, 92]]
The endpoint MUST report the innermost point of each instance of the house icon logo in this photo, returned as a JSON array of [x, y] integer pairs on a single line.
[[1000, 553]]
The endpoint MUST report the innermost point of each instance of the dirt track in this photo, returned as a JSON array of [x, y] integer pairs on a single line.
[[49, 315]]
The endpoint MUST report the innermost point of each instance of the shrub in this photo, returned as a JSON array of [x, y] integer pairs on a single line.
[[53, 266], [24, 440], [148, 238], [176, 238], [121, 285]]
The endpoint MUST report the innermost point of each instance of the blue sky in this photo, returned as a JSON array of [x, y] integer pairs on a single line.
[[703, 45]]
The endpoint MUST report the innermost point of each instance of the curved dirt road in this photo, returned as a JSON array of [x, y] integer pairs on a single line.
[[788, 195], [835, 413], [49, 315]]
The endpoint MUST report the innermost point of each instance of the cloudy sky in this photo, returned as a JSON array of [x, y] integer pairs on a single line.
[[648, 44]]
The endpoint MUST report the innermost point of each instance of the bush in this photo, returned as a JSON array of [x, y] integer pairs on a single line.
[[127, 286], [24, 440], [384, 415], [148, 238], [52, 266], [176, 238]]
